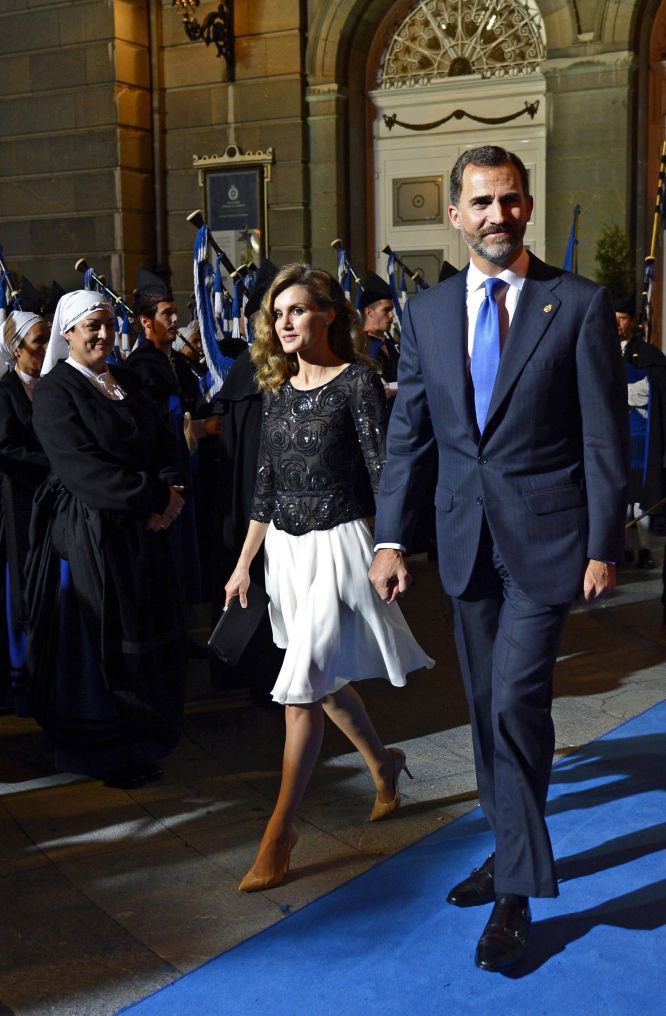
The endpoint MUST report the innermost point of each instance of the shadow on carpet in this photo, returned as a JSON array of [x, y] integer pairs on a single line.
[[386, 943]]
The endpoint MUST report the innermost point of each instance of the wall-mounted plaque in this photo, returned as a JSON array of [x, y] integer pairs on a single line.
[[418, 201], [234, 198]]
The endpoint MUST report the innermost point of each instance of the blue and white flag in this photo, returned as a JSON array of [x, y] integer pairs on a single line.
[[218, 364]]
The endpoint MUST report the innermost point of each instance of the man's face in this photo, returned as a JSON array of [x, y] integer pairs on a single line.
[[492, 213], [163, 327], [379, 316], [625, 326]]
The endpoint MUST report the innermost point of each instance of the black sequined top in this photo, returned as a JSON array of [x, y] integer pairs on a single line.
[[315, 447]]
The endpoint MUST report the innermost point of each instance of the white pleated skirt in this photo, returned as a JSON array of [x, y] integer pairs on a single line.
[[326, 614]]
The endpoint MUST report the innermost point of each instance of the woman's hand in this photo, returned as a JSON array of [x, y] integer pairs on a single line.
[[157, 522], [238, 585]]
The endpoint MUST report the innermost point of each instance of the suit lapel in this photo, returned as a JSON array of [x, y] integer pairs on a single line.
[[536, 309], [454, 351]]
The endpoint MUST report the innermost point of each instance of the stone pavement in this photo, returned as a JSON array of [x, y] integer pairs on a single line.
[[110, 894]]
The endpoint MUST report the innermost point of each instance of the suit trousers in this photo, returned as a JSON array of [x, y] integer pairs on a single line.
[[507, 647]]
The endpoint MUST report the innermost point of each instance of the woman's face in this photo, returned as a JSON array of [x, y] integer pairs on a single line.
[[30, 354], [91, 340], [300, 324]]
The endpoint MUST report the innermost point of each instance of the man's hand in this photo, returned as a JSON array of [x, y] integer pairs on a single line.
[[212, 425], [388, 574], [599, 578]]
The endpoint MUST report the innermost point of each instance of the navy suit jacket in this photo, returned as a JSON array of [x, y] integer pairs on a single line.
[[549, 471]]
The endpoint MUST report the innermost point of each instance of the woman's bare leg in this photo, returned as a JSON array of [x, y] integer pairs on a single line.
[[304, 729], [347, 710]]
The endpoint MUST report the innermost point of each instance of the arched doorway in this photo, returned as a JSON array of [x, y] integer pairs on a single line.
[[449, 75], [655, 136]]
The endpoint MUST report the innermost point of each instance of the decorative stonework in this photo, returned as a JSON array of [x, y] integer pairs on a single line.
[[441, 39]]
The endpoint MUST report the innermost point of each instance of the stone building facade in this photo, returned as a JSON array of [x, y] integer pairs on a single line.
[[104, 105]]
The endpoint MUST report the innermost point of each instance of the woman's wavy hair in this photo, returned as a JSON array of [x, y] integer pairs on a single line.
[[273, 365]]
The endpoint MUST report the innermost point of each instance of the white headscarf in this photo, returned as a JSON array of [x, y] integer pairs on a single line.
[[72, 308], [12, 333]]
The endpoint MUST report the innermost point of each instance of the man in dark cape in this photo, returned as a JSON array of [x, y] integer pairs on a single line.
[[239, 406]]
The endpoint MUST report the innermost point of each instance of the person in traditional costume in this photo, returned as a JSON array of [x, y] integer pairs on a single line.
[[23, 467], [324, 421], [377, 312], [106, 650], [171, 381], [646, 470], [239, 406]]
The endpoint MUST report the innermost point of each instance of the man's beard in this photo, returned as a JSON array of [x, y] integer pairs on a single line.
[[502, 252]]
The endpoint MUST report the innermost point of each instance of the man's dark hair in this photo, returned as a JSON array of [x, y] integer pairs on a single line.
[[490, 156], [146, 302]]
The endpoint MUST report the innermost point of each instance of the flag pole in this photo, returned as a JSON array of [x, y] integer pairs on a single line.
[[645, 319]]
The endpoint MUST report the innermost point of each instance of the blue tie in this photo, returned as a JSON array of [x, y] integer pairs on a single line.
[[486, 351]]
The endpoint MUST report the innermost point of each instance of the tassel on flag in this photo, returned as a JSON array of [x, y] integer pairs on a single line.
[[218, 364], [390, 274], [125, 329], [117, 325], [645, 319], [571, 255], [218, 297], [344, 274], [403, 290], [3, 299], [236, 309]]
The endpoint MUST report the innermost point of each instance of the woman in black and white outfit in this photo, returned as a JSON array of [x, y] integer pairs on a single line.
[[323, 434]]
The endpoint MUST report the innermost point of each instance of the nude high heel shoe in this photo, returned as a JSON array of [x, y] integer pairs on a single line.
[[252, 883], [381, 809]]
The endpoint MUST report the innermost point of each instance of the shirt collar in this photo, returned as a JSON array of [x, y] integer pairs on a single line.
[[514, 275], [27, 379], [92, 375]]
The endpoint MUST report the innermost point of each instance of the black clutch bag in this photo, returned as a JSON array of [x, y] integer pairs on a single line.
[[232, 633]]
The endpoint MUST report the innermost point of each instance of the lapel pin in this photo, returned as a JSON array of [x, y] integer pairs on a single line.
[[547, 309]]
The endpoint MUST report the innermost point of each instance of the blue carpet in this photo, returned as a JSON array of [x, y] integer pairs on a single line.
[[386, 943]]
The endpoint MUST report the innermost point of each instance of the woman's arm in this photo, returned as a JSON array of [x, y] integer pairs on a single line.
[[370, 417], [239, 581]]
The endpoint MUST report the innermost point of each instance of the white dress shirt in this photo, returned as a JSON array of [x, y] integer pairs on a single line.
[[507, 300]]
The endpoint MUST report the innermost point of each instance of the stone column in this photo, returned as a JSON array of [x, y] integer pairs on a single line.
[[589, 150]]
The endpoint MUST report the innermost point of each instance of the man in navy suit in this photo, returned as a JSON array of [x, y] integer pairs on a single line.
[[530, 504]]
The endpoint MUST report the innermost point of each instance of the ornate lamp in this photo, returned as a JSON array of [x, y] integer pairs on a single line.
[[217, 28]]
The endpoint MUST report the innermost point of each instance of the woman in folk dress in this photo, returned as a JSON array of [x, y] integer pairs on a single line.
[[323, 434]]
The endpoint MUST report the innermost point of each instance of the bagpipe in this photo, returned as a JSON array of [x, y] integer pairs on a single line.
[[415, 275], [348, 277], [218, 310], [123, 313], [346, 273]]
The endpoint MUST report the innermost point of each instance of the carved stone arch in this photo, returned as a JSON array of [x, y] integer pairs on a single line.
[[336, 27], [343, 39], [333, 31], [617, 21], [559, 22]]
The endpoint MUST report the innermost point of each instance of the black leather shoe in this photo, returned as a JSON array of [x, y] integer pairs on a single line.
[[126, 778], [504, 939], [477, 888]]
